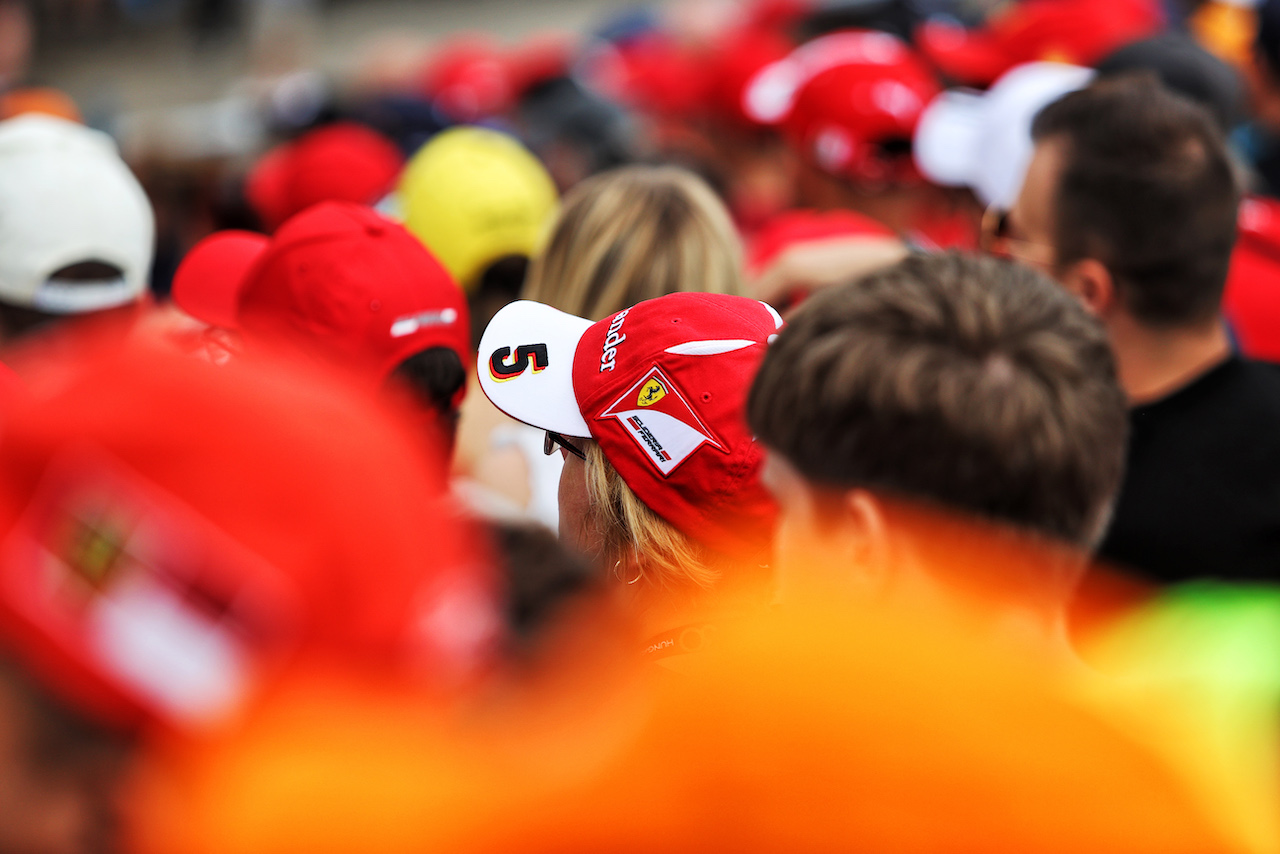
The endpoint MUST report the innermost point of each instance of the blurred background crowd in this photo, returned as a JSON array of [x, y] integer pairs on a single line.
[[712, 425]]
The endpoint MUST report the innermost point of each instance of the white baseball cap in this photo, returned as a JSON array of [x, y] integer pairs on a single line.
[[982, 140], [67, 198]]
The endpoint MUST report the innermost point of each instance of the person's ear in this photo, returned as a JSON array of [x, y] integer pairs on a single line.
[[1089, 281], [866, 536]]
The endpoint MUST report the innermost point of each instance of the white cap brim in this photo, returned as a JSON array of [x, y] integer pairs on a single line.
[[769, 95], [947, 139], [525, 365]]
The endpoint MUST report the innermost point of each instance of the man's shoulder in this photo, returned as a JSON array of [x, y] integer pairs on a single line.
[[1257, 379], [1237, 398]]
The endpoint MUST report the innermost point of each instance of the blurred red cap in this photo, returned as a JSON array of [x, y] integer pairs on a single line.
[[174, 533], [469, 78], [800, 251], [343, 280], [838, 98], [207, 283], [1079, 32], [1252, 298], [539, 58], [777, 15], [798, 227], [734, 61], [340, 162], [653, 72]]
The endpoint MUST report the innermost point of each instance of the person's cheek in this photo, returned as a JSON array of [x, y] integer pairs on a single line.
[[574, 506]]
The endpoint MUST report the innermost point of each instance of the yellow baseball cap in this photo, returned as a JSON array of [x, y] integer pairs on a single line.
[[475, 195]]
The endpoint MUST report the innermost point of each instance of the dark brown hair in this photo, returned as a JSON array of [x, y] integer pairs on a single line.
[[971, 383], [1148, 189]]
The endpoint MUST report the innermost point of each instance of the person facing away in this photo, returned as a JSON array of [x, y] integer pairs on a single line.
[[949, 428], [1130, 202]]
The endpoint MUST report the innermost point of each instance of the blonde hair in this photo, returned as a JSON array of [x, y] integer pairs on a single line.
[[634, 534], [633, 234]]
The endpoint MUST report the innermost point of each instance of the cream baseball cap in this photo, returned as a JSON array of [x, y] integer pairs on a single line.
[[67, 198]]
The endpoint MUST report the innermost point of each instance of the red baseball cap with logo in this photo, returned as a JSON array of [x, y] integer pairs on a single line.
[[343, 161], [175, 534], [842, 97], [1080, 32], [342, 279], [662, 387]]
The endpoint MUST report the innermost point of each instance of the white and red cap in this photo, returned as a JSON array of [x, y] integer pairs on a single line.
[[840, 97], [662, 387]]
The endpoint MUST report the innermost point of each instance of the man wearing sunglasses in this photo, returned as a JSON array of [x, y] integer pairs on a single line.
[[1130, 203]]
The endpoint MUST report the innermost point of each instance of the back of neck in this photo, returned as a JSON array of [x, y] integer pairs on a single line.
[[1154, 362]]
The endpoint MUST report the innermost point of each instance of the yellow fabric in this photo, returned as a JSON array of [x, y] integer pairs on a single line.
[[474, 195]]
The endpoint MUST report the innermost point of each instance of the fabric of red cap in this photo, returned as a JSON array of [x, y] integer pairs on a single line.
[[1079, 32], [344, 280], [1252, 298], [734, 61], [173, 533], [777, 15], [654, 73], [540, 58], [683, 363], [469, 79], [796, 227], [207, 282], [339, 162], [840, 96]]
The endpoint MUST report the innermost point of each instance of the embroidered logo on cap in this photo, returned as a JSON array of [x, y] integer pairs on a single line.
[[666, 429], [503, 366], [143, 591], [652, 392], [410, 324]]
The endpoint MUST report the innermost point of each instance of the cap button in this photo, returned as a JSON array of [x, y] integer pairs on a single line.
[[375, 229]]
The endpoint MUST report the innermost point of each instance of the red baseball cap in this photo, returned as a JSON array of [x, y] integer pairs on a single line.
[[732, 63], [173, 534], [799, 251], [840, 97], [662, 386], [343, 161], [1079, 32], [653, 72], [539, 58], [794, 228], [207, 283], [342, 279], [469, 78]]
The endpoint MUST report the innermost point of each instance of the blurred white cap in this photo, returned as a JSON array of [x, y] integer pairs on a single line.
[[982, 140], [67, 198]]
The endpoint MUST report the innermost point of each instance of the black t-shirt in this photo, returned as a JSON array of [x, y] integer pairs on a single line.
[[1201, 496]]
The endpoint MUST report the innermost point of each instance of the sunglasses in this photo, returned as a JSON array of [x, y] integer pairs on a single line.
[[552, 440], [997, 238]]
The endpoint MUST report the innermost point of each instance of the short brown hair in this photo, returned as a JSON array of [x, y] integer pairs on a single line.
[[1147, 188], [633, 234], [972, 383]]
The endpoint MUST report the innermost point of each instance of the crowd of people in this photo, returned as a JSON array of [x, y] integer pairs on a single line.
[[758, 425]]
